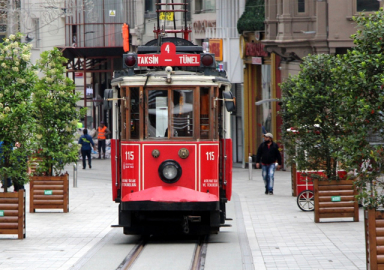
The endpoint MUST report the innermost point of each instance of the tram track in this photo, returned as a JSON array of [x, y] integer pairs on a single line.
[[200, 253], [197, 260], [132, 255]]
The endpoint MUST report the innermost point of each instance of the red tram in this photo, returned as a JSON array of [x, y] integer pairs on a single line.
[[171, 158]]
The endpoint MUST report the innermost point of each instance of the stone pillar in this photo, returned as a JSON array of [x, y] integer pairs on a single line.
[[321, 20], [271, 19], [285, 21]]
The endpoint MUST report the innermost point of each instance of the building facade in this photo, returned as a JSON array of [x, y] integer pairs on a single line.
[[89, 34], [296, 28]]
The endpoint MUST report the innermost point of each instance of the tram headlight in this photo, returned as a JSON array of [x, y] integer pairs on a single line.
[[130, 60], [207, 60], [170, 171]]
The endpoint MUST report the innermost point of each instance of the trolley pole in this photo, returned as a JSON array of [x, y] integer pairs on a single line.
[[74, 175], [250, 166]]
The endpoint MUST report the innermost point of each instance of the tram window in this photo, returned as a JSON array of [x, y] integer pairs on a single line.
[[182, 113], [134, 125], [157, 113], [204, 113]]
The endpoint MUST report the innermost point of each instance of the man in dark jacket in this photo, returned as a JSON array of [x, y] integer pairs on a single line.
[[268, 153], [86, 149]]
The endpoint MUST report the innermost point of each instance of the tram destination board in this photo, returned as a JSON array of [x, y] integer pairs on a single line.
[[168, 57]]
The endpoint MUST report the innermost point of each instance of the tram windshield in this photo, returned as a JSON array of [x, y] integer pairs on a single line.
[[168, 112], [178, 104]]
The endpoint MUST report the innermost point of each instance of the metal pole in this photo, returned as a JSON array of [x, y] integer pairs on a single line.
[[75, 175], [250, 166]]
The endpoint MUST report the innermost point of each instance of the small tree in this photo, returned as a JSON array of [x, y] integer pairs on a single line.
[[362, 107], [253, 17], [310, 108], [56, 115], [17, 79]]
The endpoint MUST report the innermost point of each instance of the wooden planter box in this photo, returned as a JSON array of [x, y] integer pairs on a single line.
[[374, 238], [49, 192], [335, 199], [12, 213]]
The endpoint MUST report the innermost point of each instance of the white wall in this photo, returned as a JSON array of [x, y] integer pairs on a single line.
[[51, 30], [228, 13]]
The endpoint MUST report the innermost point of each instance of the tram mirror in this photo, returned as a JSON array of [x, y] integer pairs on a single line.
[[229, 101], [108, 93]]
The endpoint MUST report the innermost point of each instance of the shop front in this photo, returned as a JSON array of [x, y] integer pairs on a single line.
[[261, 78]]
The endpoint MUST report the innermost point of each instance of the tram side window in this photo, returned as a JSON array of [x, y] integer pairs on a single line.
[[157, 113], [204, 113], [134, 125], [182, 113]]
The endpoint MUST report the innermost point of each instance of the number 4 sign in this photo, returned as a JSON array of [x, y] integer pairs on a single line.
[[168, 57]]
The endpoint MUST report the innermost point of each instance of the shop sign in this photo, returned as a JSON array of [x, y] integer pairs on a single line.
[[200, 26], [78, 74], [335, 198], [168, 16], [1, 213], [257, 60], [47, 192], [216, 47], [255, 49]]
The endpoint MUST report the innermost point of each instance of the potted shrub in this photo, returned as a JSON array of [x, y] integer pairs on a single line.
[[253, 17], [362, 116], [56, 115], [17, 79], [311, 133]]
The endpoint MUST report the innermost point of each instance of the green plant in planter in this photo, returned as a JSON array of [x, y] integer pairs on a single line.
[[17, 79], [253, 17], [310, 109], [362, 107], [56, 115]]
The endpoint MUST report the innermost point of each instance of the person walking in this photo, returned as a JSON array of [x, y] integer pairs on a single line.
[[268, 153], [102, 132], [86, 141]]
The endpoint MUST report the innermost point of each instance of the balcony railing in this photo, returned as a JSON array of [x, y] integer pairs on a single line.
[[221, 32]]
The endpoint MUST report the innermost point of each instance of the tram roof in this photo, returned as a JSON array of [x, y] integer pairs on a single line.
[[178, 78]]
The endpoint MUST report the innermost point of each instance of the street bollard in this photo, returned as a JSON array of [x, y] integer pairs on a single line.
[[250, 167], [75, 175]]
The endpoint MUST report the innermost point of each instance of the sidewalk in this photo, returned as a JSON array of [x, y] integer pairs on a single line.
[[280, 235], [57, 240]]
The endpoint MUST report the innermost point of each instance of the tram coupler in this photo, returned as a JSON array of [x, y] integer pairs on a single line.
[[194, 218], [186, 225]]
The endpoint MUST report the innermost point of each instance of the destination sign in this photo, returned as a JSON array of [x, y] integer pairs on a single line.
[[168, 57]]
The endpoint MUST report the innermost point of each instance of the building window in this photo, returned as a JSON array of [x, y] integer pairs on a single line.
[[205, 6], [150, 9], [367, 5], [149, 5], [3, 22], [300, 6], [36, 30]]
